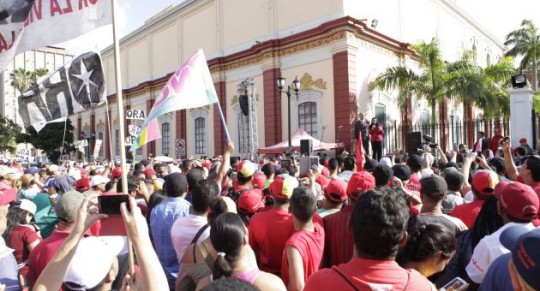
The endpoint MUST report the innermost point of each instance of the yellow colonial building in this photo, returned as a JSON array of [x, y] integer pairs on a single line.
[[334, 47]]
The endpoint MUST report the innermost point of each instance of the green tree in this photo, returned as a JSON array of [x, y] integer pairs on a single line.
[[428, 84], [525, 42], [9, 131], [471, 84], [49, 139], [22, 80]]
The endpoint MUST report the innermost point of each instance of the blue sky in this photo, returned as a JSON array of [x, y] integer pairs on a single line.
[[498, 16]]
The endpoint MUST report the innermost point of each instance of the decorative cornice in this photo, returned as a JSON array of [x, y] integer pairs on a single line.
[[267, 51]]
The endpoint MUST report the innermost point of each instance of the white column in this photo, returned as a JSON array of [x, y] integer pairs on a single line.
[[521, 105]]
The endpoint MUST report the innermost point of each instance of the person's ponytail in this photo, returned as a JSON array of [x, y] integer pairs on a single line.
[[222, 267], [227, 234]]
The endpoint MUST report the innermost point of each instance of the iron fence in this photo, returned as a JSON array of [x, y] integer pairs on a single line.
[[449, 135]]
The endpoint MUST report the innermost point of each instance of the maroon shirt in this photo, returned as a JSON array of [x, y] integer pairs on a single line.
[[339, 241], [20, 237], [43, 253]]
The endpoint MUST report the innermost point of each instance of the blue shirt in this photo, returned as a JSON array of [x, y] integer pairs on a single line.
[[161, 220], [8, 267], [498, 277]]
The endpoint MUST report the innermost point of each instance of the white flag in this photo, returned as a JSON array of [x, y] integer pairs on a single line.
[[31, 24], [97, 147]]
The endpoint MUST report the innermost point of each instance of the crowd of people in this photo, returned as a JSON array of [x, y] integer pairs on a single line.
[[463, 221]]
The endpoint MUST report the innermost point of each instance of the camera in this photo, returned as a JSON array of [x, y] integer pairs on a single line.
[[428, 140]]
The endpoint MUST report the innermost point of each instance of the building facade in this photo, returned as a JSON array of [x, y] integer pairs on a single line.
[[335, 48]]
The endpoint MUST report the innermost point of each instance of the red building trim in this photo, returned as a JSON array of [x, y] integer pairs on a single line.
[[78, 137], [273, 117], [219, 131], [151, 146], [92, 142], [108, 146], [345, 104], [181, 127]]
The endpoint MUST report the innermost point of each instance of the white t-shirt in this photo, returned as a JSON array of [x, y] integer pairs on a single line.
[[486, 251], [184, 230]]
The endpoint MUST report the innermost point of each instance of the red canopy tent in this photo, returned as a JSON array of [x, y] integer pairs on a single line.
[[298, 135]]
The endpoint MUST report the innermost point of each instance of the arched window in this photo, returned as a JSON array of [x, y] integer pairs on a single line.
[[166, 138], [307, 112], [200, 135], [307, 117]]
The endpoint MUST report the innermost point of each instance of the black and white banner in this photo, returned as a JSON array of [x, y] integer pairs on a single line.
[[32, 24], [75, 87]]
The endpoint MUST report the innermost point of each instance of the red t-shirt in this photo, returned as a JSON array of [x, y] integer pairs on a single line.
[[414, 183], [20, 237], [43, 253], [339, 241], [310, 245], [367, 274], [268, 232], [468, 212]]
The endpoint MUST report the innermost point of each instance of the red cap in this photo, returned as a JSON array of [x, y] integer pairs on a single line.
[[7, 195], [519, 201], [336, 190], [484, 182], [148, 173], [282, 187], [250, 201], [522, 140], [116, 173], [82, 185], [323, 181], [360, 182], [246, 168], [258, 181]]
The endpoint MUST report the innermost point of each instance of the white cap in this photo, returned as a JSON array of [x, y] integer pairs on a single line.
[[93, 260], [98, 179], [5, 170], [28, 206]]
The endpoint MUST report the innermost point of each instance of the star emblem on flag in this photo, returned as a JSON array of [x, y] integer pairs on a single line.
[[84, 76]]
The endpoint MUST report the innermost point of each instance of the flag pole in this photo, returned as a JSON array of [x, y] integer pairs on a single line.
[[120, 103], [110, 128], [223, 122]]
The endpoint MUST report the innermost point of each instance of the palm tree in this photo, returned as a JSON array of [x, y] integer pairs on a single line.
[[21, 80], [40, 72], [471, 84], [429, 84], [525, 42]]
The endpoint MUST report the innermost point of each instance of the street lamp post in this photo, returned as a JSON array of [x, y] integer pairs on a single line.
[[296, 87], [89, 138]]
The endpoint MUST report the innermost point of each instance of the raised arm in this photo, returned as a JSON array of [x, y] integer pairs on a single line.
[[53, 275], [152, 276], [225, 164], [509, 166]]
